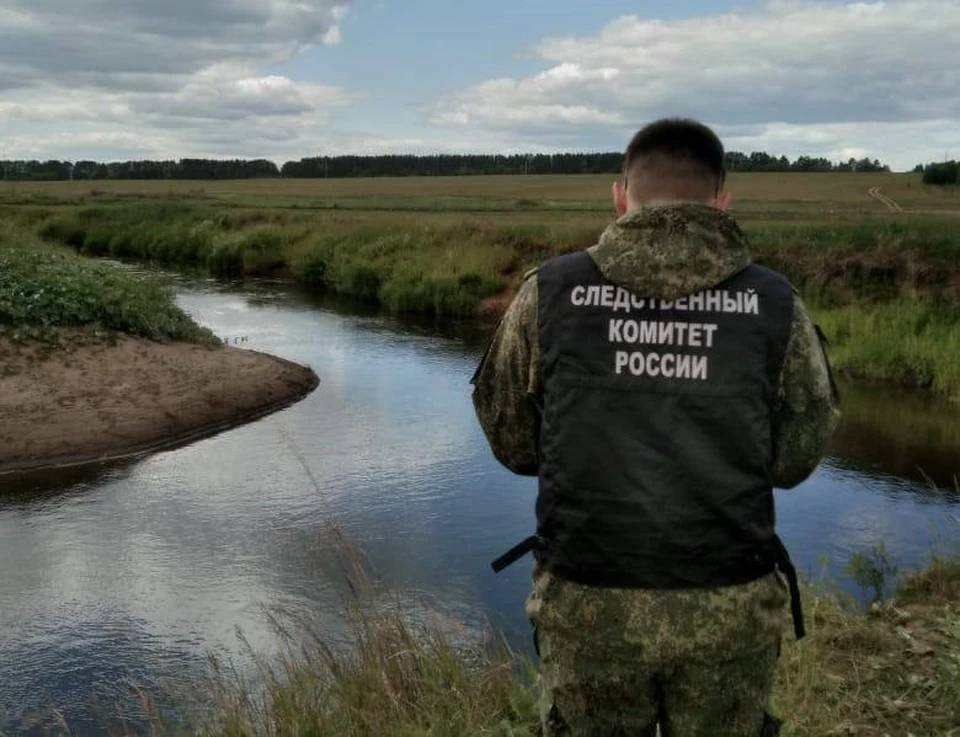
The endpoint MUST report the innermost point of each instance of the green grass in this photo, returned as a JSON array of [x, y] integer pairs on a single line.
[[398, 680], [382, 667], [893, 669], [915, 342], [754, 192], [443, 268], [885, 288], [43, 289], [884, 293], [841, 261]]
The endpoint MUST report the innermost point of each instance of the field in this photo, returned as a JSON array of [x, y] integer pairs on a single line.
[[884, 283], [789, 195]]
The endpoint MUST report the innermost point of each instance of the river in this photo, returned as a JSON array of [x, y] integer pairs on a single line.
[[132, 572]]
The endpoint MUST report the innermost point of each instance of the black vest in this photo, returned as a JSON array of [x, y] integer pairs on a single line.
[[655, 444]]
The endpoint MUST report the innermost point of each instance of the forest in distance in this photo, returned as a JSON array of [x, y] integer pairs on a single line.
[[393, 165]]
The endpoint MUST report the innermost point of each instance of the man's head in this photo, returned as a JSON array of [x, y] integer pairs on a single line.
[[672, 160]]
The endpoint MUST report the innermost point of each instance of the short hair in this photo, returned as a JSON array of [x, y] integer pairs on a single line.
[[678, 149]]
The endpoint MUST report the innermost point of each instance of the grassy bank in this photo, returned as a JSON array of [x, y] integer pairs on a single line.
[[892, 670], [416, 267], [388, 256], [885, 289], [44, 288], [915, 342]]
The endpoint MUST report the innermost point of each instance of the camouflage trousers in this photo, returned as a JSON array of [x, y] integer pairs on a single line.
[[582, 696]]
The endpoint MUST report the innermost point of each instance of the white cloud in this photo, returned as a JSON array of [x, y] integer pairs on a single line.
[[112, 43], [138, 78], [215, 115], [334, 35], [219, 112], [220, 95], [794, 68]]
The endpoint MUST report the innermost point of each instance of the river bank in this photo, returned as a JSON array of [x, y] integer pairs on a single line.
[[99, 400], [98, 365], [885, 290], [891, 670]]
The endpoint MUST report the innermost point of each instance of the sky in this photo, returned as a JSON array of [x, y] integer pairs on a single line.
[[286, 79]]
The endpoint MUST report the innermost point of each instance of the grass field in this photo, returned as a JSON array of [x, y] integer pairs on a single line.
[[770, 194], [885, 284]]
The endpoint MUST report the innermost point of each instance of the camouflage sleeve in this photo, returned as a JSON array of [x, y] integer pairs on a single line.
[[808, 405], [507, 383]]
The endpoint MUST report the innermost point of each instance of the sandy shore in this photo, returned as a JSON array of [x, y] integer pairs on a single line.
[[97, 401]]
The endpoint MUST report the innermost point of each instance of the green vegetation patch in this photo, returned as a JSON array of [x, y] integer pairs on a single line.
[[42, 289], [398, 680], [444, 270], [913, 341], [841, 261], [429, 267]]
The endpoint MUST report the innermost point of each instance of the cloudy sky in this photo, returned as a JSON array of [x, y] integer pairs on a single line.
[[281, 79]]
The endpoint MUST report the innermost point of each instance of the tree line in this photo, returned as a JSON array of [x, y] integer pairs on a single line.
[[55, 170], [943, 174], [319, 167]]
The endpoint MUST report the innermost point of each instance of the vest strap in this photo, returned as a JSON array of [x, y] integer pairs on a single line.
[[782, 558], [532, 543]]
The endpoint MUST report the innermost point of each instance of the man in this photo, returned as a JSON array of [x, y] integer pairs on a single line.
[[659, 385]]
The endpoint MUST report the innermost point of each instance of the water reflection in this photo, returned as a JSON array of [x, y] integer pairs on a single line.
[[29, 490], [900, 434]]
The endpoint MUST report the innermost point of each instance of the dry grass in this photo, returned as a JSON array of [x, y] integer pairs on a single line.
[[385, 670], [892, 671]]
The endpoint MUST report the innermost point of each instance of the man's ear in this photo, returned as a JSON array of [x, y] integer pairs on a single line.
[[722, 200], [620, 198]]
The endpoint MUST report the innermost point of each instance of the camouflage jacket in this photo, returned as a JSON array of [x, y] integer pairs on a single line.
[[664, 252]]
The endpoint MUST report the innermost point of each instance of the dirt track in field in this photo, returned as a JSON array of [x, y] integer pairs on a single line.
[[880, 197]]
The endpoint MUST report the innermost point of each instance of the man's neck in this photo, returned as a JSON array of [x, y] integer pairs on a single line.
[[665, 202]]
